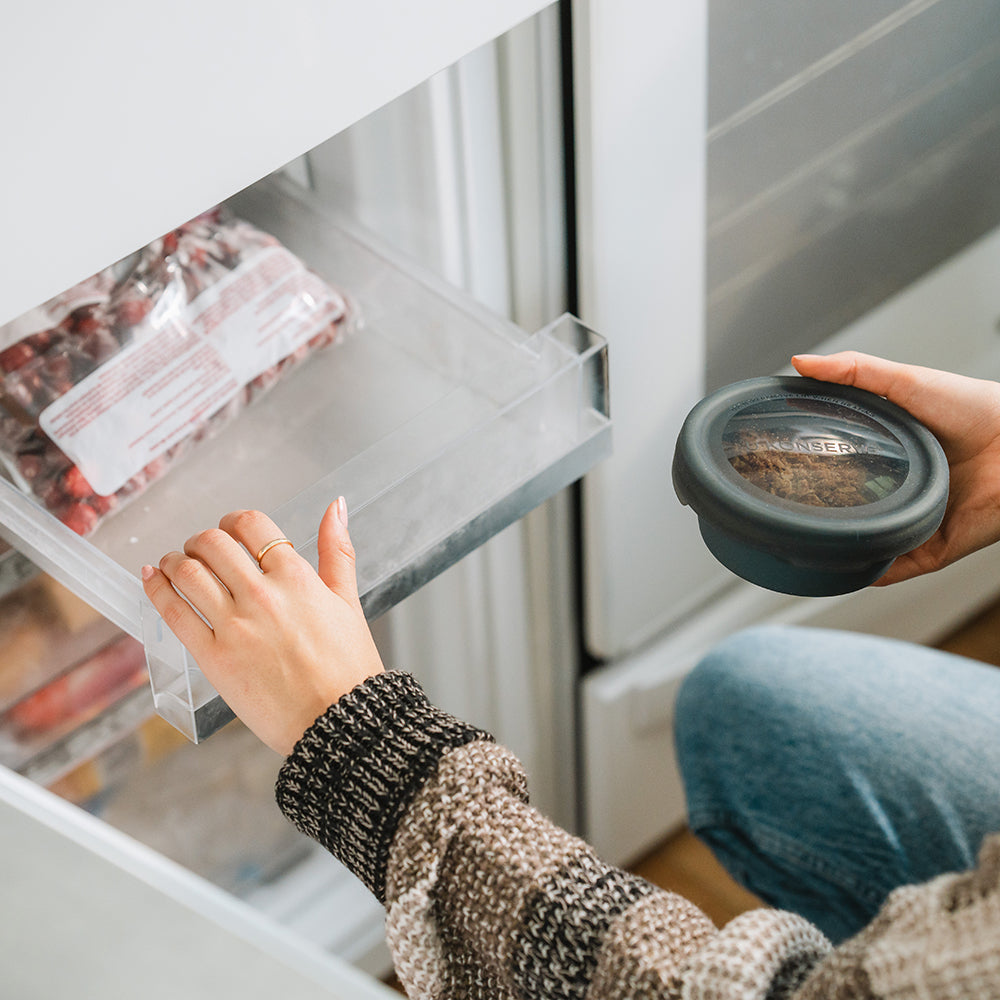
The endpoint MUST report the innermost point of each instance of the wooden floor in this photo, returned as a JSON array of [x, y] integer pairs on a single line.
[[683, 864]]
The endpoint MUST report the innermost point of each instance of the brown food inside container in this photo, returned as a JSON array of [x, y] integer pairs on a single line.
[[816, 480]]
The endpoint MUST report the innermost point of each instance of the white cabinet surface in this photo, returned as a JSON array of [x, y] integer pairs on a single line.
[[122, 921], [120, 122]]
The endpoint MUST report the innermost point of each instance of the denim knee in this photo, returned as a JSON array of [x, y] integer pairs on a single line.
[[754, 762], [738, 682], [825, 768]]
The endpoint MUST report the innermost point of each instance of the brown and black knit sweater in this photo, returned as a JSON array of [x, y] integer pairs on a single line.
[[487, 899]]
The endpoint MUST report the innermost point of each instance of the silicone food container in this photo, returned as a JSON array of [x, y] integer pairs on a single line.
[[805, 487]]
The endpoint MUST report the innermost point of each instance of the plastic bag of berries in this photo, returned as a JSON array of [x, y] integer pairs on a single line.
[[104, 387]]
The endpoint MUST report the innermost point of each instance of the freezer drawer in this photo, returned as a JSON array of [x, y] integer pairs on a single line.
[[439, 422], [76, 716]]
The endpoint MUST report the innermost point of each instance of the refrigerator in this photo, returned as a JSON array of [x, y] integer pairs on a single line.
[[762, 180], [547, 217]]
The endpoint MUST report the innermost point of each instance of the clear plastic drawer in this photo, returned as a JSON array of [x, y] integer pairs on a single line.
[[439, 422]]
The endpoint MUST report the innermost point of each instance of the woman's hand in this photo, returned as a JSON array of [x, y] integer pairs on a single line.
[[279, 642], [964, 414]]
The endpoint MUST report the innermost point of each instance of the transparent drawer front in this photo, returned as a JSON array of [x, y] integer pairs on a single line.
[[440, 423]]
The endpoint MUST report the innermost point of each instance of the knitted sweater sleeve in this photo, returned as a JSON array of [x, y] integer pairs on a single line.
[[488, 899], [937, 939]]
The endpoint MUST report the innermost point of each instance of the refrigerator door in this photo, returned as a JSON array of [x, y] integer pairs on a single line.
[[145, 120], [88, 911], [778, 185], [775, 183]]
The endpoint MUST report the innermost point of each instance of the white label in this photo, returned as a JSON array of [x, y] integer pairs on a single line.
[[187, 365]]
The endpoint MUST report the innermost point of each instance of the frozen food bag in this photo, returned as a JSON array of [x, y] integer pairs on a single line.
[[108, 384], [81, 693]]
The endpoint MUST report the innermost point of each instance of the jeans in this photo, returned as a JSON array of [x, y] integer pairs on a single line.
[[824, 769]]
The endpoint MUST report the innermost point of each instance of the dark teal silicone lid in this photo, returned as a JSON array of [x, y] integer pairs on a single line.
[[806, 487]]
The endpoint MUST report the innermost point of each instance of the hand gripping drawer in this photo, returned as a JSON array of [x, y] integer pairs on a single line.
[[439, 422]]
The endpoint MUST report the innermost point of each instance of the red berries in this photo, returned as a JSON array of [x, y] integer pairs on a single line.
[[81, 517], [75, 485], [16, 356], [130, 312]]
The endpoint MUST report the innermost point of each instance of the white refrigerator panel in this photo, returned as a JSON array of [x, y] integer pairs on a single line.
[[125, 125], [89, 912], [640, 105]]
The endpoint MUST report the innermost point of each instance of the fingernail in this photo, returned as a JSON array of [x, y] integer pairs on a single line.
[[147, 572], [342, 511]]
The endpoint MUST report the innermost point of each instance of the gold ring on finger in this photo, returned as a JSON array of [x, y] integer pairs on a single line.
[[270, 545]]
